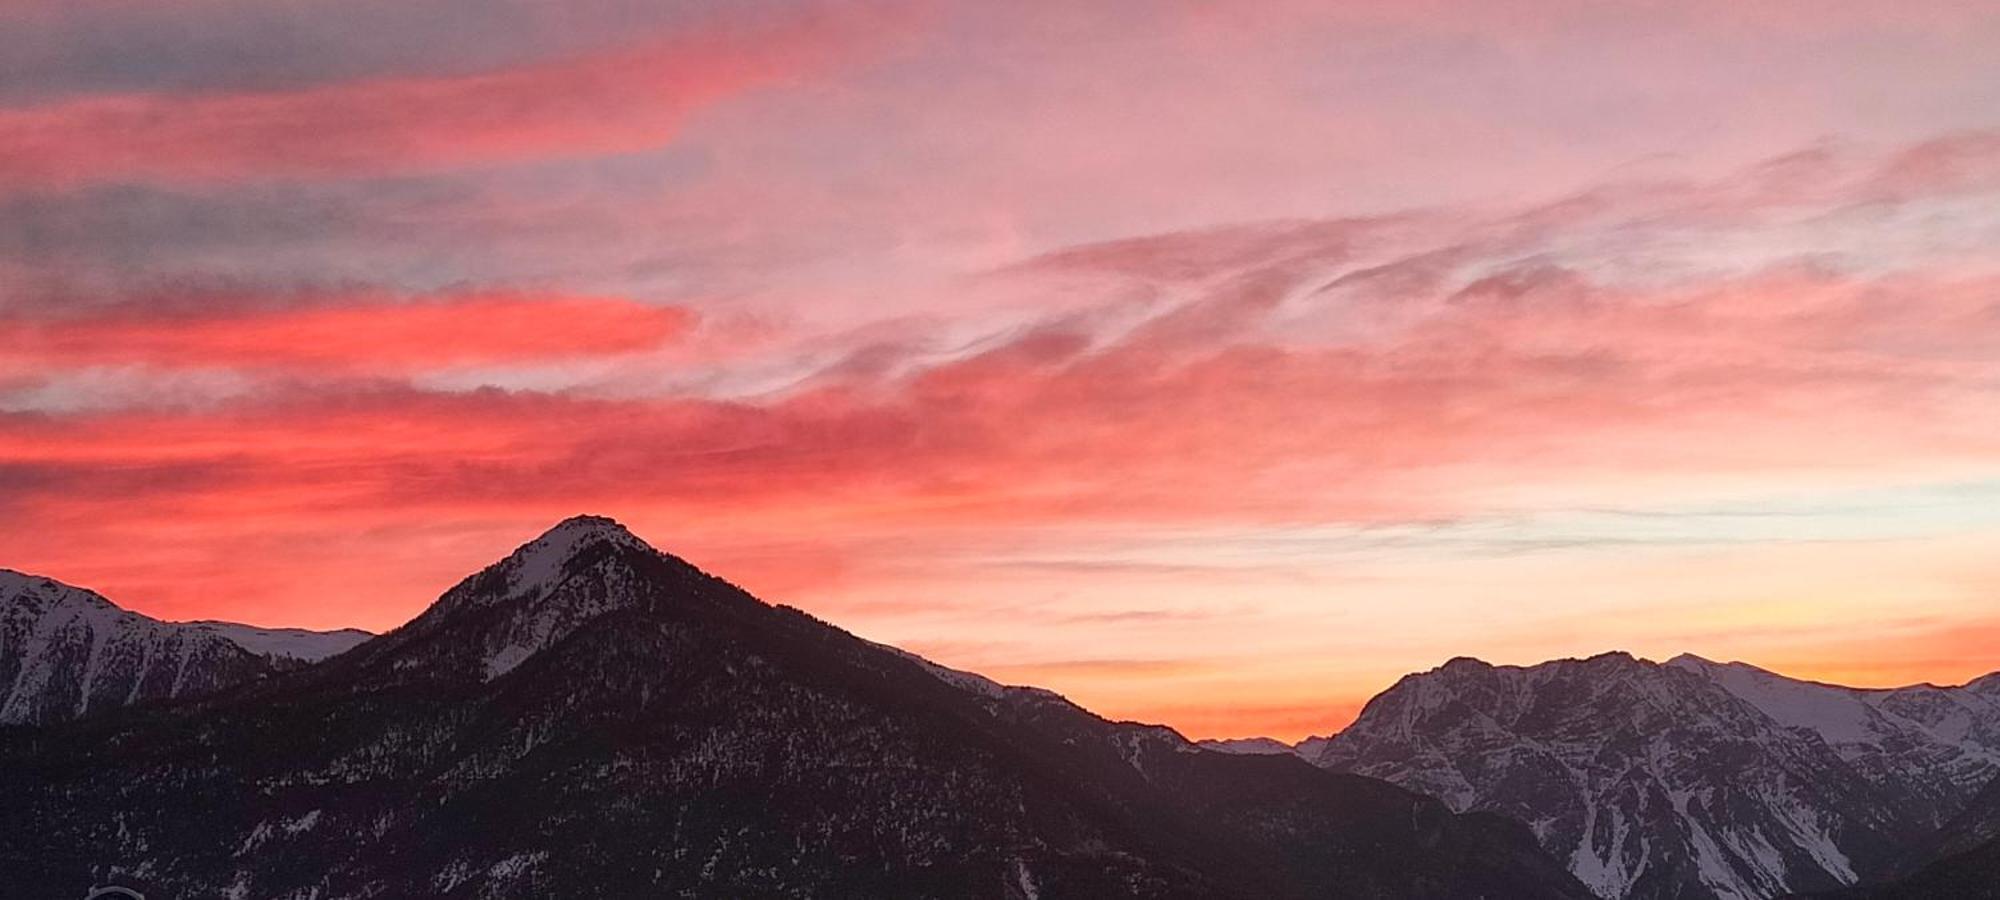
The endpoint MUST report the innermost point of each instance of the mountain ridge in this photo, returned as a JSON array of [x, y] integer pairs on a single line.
[[1686, 778], [67, 651], [668, 733], [557, 639]]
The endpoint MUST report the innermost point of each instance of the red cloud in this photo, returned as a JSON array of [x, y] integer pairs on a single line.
[[1761, 376], [367, 333]]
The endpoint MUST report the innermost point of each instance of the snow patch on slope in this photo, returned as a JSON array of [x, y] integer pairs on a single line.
[[1955, 729], [66, 651], [1837, 714], [969, 682], [1257, 746], [45, 620], [539, 563], [290, 643], [546, 589]]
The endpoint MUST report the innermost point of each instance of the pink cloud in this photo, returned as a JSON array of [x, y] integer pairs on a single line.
[[1551, 380], [355, 333]]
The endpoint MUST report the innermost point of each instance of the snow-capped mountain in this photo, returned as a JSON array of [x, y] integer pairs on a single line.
[[1937, 745], [1258, 746], [590, 717], [299, 644], [67, 652], [1687, 780]]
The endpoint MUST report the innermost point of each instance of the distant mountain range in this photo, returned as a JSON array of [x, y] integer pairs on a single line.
[[1688, 779], [1697, 779], [66, 652], [592, 718]]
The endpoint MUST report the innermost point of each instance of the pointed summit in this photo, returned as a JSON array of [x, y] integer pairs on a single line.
[[581, 569], [1465, 664], [589, 525], [576, 532], [543, 559], [535, 569]]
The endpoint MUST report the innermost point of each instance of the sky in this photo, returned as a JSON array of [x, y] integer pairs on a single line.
[[1212, 363]]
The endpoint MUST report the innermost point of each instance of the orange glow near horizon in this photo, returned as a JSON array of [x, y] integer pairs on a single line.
[[1149, 354]]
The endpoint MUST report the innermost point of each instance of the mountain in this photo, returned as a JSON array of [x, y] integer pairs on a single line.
[[297, 644], [66, 652], [1260, 746], [1938, 745], [1961, 860], [1686, 780], [1970, 875], [590, 717], [1976, 827]]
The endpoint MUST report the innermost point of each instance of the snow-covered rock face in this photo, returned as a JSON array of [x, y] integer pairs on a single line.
[[545, 590], [541, 565], [1261, 746], [66, 651], [285, 643], [1938, 744], [1663, 781]]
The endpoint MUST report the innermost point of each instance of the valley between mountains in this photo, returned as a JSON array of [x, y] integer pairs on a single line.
[[592, 717]]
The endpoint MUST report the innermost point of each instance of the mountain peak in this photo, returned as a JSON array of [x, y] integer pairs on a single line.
[[1697, 663], [534, 570], [23, 591], [1464, 663], [588, 527], [67, 651], [541, 560], [579, 569], [1251, 746]]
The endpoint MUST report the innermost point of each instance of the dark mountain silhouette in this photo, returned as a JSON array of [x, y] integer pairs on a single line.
[[1978, 826], [1961, 861], [592, 718]]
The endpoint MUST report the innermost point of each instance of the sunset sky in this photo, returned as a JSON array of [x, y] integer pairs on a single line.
[[1211, 363]]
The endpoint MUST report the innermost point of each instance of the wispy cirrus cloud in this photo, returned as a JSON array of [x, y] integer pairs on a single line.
[[1556, 385], [1351, 365]]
